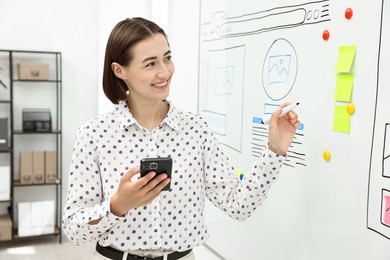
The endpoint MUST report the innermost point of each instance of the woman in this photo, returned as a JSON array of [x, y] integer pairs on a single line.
[[127, 215]]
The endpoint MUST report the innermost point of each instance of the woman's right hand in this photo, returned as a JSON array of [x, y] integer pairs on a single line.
[[135, 193]]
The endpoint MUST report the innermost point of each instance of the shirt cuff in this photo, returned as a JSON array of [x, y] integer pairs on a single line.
[[269, 151], [270, 160], [103, 212]]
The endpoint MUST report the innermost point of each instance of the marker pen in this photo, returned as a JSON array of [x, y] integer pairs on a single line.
[[285, 110]]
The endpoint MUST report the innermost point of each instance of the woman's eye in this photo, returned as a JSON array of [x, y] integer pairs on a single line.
[[150, 65], [168, 58]]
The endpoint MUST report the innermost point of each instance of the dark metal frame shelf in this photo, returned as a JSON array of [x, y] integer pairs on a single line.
[[57, 82]]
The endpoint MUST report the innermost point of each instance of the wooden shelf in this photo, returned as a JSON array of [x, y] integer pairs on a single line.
[[18, 184], [34, 80], [21, 132], [56, 232], [8, 150]]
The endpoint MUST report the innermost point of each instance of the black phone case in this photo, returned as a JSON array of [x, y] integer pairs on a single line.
[[159, 165]]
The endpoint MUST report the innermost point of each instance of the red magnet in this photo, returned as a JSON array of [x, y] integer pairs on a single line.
[[348, 13], [325, 35]]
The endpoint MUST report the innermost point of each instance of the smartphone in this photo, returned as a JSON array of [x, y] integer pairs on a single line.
[[158, 165]]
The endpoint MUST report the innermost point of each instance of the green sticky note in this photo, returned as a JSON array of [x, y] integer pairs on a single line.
[[345, 59], [341, 119], [344, 87]]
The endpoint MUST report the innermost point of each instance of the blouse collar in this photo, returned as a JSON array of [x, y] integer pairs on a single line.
[[126, 119]]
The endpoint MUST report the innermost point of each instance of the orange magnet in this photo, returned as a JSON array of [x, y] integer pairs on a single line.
[[325, 35], [326, 155], [350, 108], [348, 13]]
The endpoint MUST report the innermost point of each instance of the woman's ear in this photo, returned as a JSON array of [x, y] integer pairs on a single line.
[[118, 70]]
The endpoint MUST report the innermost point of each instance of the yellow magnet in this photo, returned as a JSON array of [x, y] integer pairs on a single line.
[[326, 155], [240, 174], [350, 108]]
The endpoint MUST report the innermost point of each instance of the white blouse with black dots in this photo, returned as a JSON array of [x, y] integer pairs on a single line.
[[109, 145]]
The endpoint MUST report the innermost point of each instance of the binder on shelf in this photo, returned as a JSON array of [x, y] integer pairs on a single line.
[[38, 166], [3, 134], [5, 185], [24, 220], [5, 228], [48, 217], [50, 166], [26, 167]]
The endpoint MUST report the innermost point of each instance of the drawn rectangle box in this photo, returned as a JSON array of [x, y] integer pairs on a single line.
[[386, 152], [50, 166], [386, 210]]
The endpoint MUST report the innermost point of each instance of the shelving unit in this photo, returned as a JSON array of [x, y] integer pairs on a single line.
[[32, 94]]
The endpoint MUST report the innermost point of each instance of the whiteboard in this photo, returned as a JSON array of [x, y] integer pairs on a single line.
[[255, 55]]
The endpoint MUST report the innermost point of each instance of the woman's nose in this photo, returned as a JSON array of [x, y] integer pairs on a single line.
[[164, 72]]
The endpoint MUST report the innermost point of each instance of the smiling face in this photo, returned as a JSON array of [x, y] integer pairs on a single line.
[[149, 73]]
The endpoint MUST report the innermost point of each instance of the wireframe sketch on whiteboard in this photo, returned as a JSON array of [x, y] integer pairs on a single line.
[[295, 156], [386, 152], [279, 69], [378, 215], [225, 87], [386, 207], [277, 18], [224, 80]]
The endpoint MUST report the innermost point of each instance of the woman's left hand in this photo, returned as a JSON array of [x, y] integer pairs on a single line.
[[281, 130]]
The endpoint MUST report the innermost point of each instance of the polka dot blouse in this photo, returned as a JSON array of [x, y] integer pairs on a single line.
[[109, 145]]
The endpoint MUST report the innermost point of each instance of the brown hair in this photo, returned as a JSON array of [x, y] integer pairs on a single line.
[[122, 39]]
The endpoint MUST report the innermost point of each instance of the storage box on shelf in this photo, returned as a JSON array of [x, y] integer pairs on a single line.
[[37, 167], [33, 71], [5, 228], [36, 218], [36, 120]]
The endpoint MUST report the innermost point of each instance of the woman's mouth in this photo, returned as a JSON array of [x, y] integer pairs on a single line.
[[161, 85]]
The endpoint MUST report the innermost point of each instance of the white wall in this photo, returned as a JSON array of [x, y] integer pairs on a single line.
[[184, 40], [180, 20], [69, 27], [110, 13]]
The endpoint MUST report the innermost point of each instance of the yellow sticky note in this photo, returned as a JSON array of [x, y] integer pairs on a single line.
[[344, 87], [341, 119], [345, 59]]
